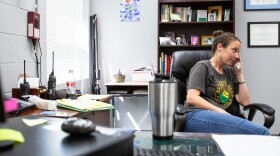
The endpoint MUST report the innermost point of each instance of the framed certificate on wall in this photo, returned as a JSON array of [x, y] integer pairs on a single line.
[[263, 34], [252, 5]]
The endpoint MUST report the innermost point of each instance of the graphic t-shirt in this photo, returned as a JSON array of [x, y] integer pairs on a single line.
[[218, 89]]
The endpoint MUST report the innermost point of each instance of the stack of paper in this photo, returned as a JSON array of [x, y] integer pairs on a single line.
[[84, 105]]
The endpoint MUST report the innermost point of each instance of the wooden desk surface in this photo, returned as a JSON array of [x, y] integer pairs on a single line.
[[61, 112], [101, 117]]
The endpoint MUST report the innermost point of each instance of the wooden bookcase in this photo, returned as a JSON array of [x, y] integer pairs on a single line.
[[190, 28]]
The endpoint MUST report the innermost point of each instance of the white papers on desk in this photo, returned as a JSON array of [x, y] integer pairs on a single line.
[[244, 145]]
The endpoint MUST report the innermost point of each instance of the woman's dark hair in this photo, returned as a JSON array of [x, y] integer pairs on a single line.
[[224, 38]]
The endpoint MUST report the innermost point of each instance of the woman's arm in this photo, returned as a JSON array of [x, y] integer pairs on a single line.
[[194, 99]]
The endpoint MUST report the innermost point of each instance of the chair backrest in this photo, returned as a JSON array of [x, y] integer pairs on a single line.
[[182, 62]]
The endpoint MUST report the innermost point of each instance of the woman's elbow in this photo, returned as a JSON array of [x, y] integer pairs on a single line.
[[190, 100]]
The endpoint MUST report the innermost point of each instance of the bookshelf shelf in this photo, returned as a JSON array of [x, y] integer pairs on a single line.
[[199, 23], [189, 27]]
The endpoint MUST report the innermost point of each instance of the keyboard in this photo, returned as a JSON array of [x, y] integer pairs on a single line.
[[153, 152]]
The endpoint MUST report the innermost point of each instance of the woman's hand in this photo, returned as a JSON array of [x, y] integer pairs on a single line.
[[238, 67]]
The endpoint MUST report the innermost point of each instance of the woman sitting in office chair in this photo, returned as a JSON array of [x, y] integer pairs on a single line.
[[212, 86]]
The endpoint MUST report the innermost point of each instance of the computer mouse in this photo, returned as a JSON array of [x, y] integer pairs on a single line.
[[78, 126]]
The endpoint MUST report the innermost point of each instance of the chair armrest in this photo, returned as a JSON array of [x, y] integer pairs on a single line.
[[180, 117], [180, 109], [267, 111]]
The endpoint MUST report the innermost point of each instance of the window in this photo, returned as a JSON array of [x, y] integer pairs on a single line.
[[68, 37]]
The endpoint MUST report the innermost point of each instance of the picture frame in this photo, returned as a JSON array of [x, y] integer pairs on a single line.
[[253, 5], [207, 40], [263, 34], [195, 40], [212, 17], [181, 39], [217, 10], [227, 15]]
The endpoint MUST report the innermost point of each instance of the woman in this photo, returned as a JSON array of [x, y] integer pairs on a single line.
[[212, 86]]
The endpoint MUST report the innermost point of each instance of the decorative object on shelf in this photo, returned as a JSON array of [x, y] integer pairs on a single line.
[[216, 10], [194, 40], [175, 18], [207, 40], [201, 15], [252, 5], [227, 15], [263, 34], [171, 35], [181, 39], [165, 41], [119, 77], [211, 17]]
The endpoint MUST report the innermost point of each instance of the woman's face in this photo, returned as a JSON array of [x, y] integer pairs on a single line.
[[231, 53]]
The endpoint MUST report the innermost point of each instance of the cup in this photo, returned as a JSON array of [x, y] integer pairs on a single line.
[[162, 103]]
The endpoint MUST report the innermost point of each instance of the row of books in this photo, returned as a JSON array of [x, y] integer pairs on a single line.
[[186, 14], [181, 39], [165, 63]]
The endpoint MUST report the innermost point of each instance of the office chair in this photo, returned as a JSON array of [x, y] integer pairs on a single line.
[[182, 62]]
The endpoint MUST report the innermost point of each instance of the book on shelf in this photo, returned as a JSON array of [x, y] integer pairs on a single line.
[[201, 15], [194, 15], [181, 39], [165, 13], [165, 62], [194, 40], [226, 14]]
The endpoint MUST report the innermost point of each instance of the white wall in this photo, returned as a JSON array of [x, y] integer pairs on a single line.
[[125, 45], [129, 45], [261, 64], [14, 45]]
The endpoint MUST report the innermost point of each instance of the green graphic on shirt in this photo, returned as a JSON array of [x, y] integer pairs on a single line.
[[224, 97], [224, 93]]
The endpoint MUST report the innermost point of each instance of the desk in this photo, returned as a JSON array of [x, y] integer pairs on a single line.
[[188, 143], [211, 144], [49, 140], [126, 89], [101, 117]]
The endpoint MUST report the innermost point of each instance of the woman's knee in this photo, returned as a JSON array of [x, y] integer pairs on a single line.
[[264, 131]]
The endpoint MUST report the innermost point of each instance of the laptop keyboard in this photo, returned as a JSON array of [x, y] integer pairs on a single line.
[[152, 152]]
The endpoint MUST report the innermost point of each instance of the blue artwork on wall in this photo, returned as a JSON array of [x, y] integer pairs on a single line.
[[130, 10]]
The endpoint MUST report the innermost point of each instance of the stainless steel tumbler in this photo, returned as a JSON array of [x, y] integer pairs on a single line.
[[162, 103]]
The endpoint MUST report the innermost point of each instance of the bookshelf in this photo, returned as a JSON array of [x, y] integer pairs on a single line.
[[189, 25]]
